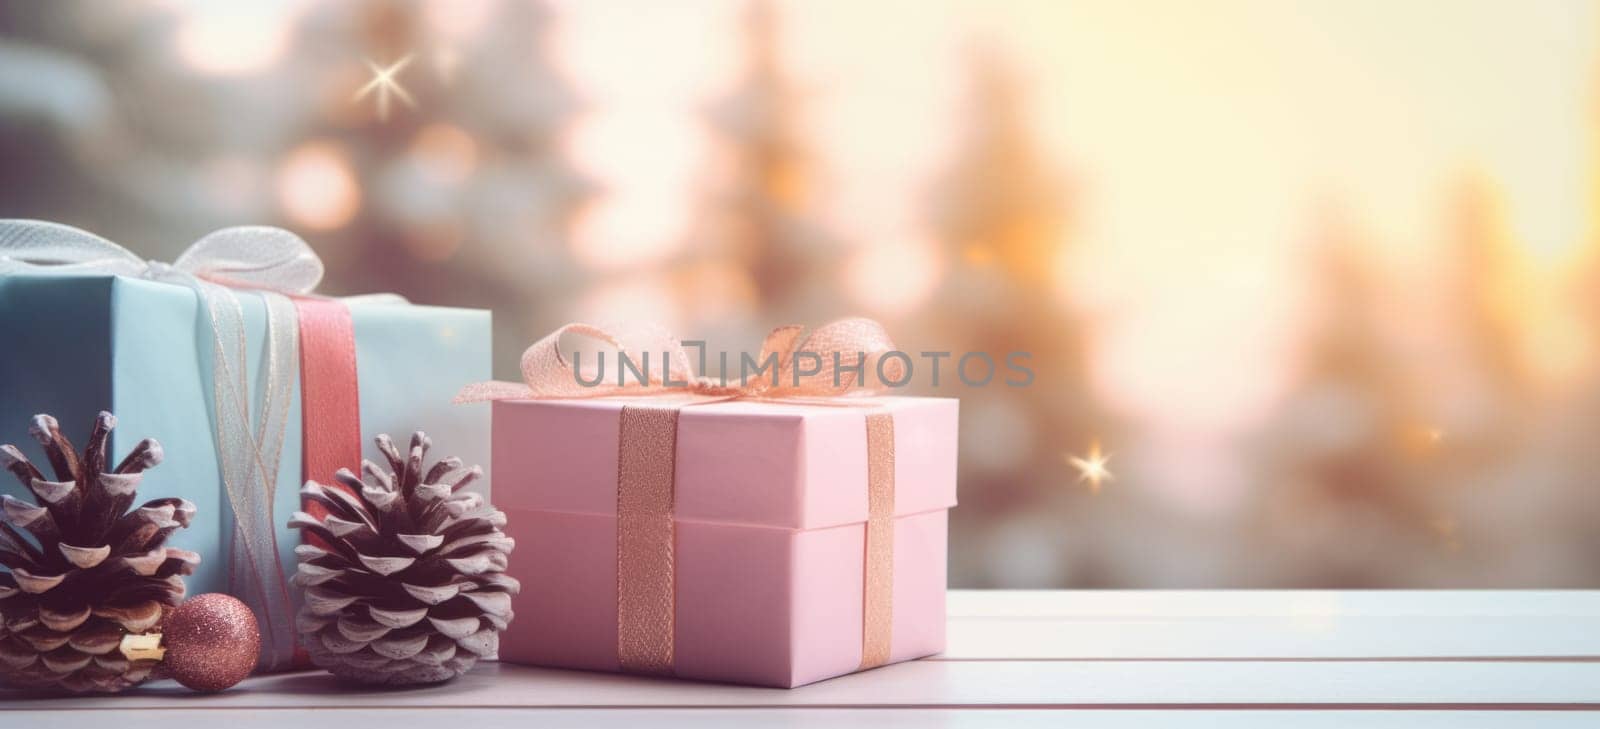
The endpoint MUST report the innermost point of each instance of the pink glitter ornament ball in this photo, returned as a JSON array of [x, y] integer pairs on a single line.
[[212, 642]]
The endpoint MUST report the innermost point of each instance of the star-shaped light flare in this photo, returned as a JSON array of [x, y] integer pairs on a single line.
[[385, 84], [1092, 467]]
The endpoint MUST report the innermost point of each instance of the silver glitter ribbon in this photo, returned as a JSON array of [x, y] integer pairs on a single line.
[[268, 262]]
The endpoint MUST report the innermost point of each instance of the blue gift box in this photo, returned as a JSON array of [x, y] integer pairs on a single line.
[[73, 345]]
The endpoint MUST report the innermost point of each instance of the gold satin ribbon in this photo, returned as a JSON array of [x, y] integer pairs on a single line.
[[646, 459], [646, 595], [877, 594], [646, 563]]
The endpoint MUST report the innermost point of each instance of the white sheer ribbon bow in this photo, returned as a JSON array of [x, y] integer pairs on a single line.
[[271, 263]]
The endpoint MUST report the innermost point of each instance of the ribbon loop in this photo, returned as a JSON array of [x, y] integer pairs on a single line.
[[254, 256], [38, 246], [545, 368], [840, 348]]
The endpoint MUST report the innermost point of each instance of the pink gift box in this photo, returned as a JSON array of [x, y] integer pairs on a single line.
[[769, 515]]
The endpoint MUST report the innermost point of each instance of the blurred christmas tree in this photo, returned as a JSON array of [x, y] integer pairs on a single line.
[[1001, 213], [1482, 289], [1572, 439], [167, 142], [1509, 469], [469, 197], [757, 214], [176, 121], [1341, 502]]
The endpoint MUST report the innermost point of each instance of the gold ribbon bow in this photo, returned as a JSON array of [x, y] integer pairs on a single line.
[[837, 348]]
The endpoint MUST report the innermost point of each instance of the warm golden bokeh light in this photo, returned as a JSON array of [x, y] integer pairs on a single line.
[[434, 242], [646, 170], [445, 153], [317, 188], [635, 298], [458, 19], [641, 143], [893, 278], [716, 292], [228, 38]]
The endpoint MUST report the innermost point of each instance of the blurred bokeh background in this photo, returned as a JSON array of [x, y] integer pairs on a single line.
[[1312, 288]]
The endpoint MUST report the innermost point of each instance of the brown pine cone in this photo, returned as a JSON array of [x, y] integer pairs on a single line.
[[405, 578], [93, 571]]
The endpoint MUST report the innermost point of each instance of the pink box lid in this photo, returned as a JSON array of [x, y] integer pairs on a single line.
[[784, 465]]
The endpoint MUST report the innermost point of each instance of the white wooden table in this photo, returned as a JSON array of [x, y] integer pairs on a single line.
[[1113, 659]]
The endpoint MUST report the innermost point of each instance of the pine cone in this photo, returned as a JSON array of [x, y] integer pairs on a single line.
[[405, 579], [92, 573]]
